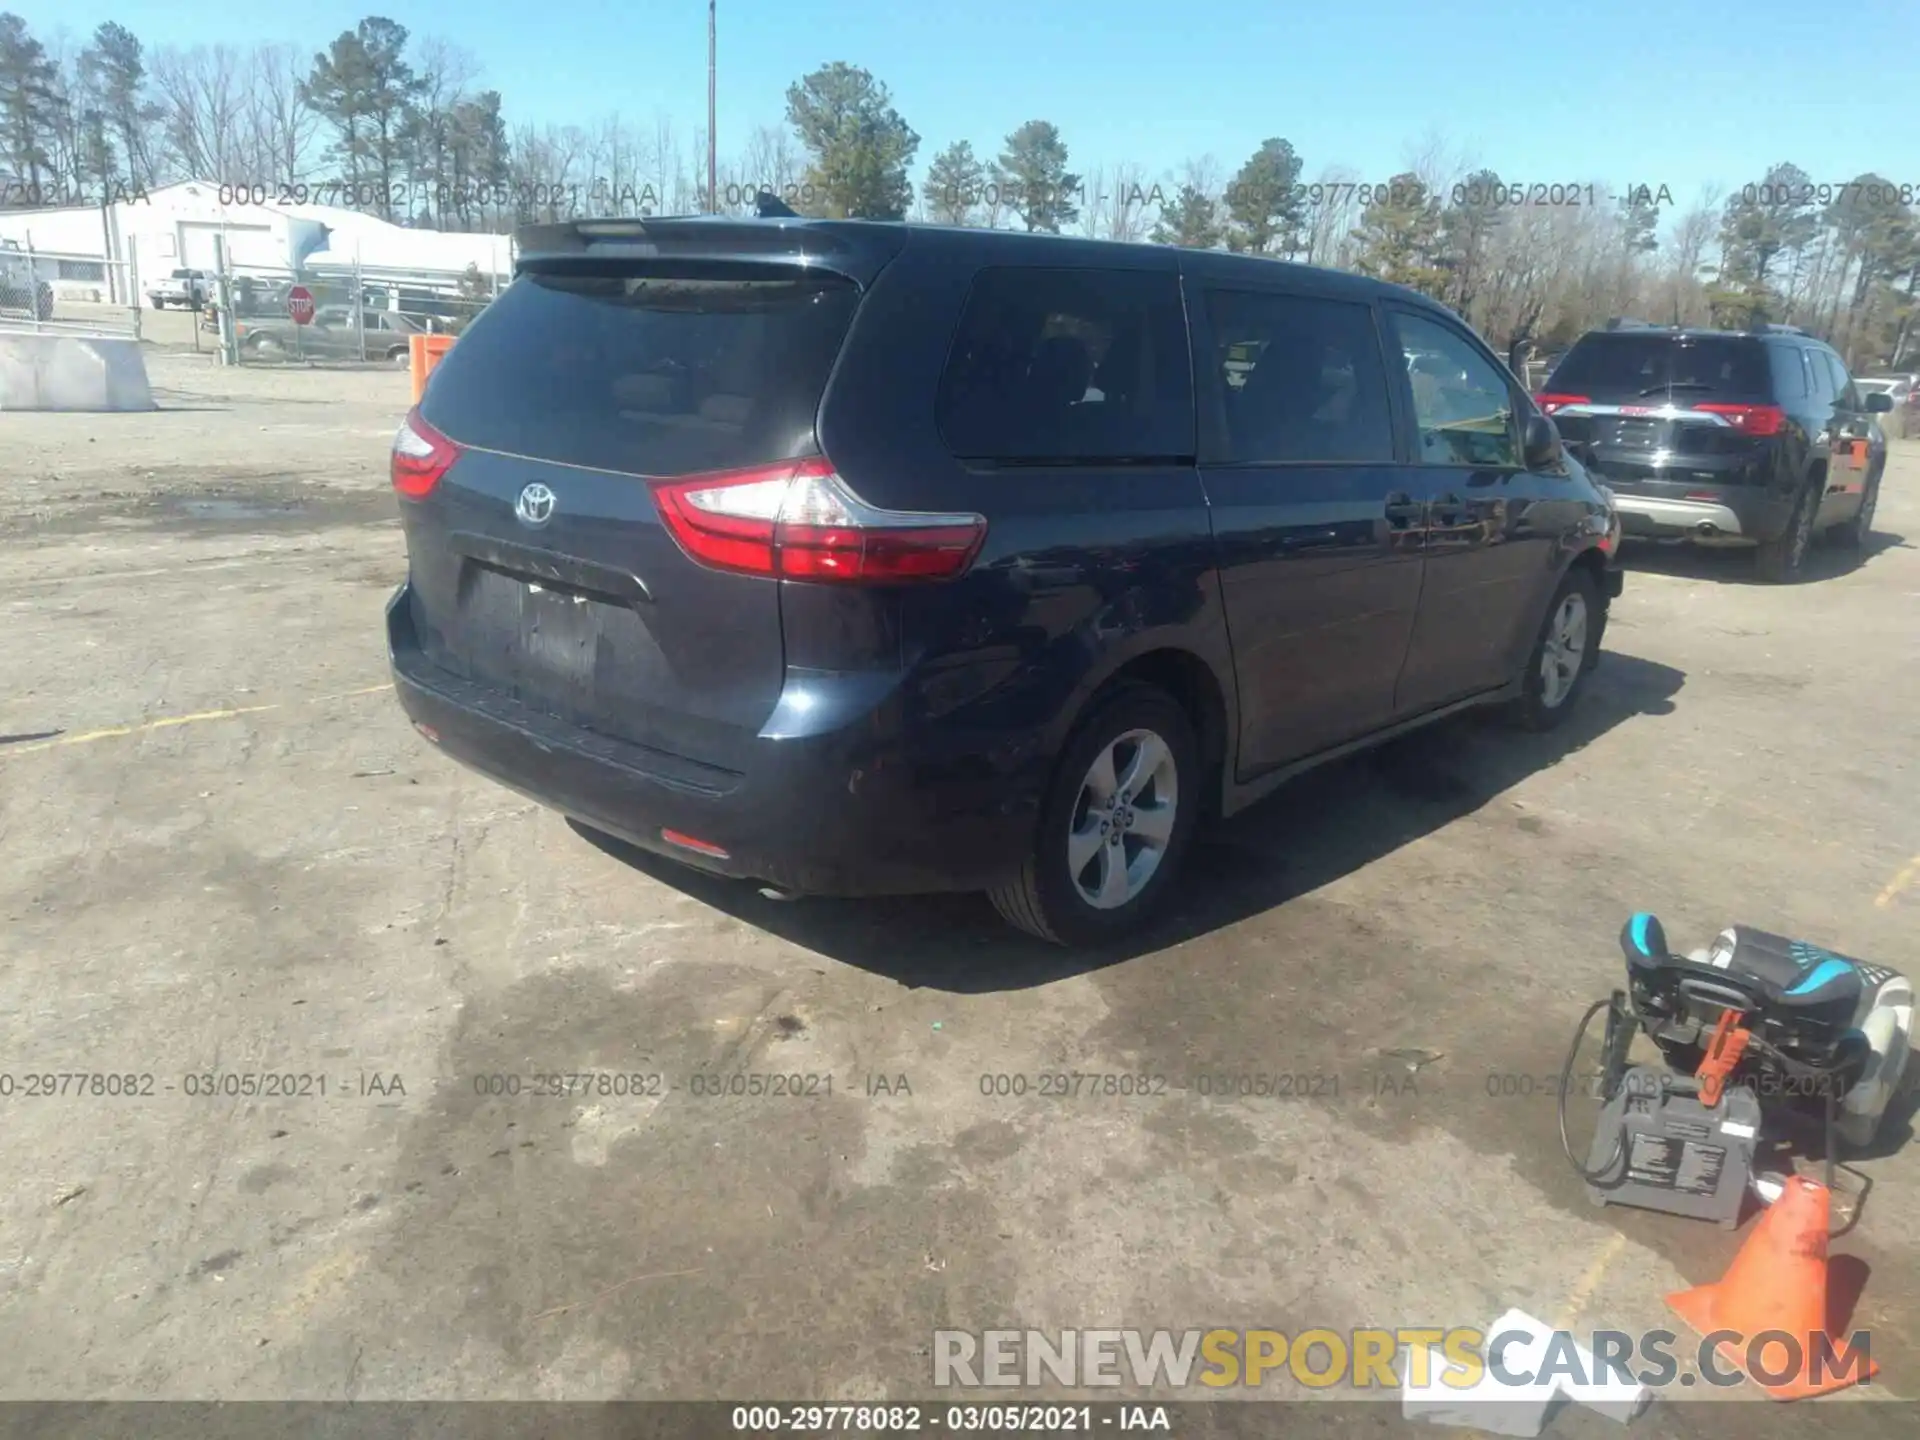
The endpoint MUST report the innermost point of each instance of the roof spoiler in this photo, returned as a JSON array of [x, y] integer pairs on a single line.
[[857, 250], [1621, 322]]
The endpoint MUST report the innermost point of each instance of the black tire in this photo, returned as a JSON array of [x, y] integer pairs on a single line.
[[1856, 532], [156, 302], [1043, 899], [1535, 709], [1781, 561]]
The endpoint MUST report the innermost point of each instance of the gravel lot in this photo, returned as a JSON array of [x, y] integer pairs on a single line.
[[226, 851]]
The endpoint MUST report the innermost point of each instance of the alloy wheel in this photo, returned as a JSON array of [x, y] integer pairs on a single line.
[[1564, 650], [1123, 820]]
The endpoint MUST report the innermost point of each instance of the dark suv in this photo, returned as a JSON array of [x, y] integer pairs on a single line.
[[859, 558], [1723, 437]]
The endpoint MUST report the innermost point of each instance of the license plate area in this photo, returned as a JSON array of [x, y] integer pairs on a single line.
[[561, 633], [1632, 433]]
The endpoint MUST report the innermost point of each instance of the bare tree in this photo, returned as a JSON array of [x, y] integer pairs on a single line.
[[1438, 162], [1130, 201], [547, 179], [615, 162], [1333, 210], [279, 125], [1093, 203], [67, 101], [673, 191], [772, 162], [202, 94], [1683, 300], [445, 75]]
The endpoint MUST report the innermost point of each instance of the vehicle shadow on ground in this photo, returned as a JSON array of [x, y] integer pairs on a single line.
[[1326, 824], [1825, 561]]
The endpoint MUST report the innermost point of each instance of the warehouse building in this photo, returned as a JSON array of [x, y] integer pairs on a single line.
[[111, 253]]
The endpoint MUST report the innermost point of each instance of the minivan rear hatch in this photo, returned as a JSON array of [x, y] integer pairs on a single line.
[[1618, 395], [540, 566]]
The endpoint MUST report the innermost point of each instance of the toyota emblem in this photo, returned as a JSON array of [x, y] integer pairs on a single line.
[[535, 505]]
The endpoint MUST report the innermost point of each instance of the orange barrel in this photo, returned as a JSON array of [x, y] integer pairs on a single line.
[[423, 353]]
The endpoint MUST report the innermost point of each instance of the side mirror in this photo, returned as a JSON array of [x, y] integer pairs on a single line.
[[1879, 402], [1540, 446]]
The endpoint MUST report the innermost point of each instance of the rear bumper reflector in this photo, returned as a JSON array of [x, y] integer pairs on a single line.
[[699, 847]]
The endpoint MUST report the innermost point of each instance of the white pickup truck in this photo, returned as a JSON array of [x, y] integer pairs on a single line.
[[188, 289]]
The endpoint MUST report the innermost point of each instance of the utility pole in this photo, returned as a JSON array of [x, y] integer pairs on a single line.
[[713, 149]]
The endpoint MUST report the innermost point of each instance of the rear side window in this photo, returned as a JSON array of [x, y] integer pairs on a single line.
[[1820, 377], [1842, 385], [647, 372], [1789, 375], [1619, 365], [1069, 367], [1299, 380]]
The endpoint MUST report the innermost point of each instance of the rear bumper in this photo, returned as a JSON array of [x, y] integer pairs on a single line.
[[838, 814], [1725, 513]]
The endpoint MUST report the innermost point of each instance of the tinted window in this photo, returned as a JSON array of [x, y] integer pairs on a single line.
[[1621, 364], [1462, 404], [1298, 379], [647, 372], [1789, 374], [1819, 377], [1842, 386], [1058, 366]]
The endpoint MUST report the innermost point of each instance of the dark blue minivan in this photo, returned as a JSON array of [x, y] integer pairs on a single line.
[[857, 558]]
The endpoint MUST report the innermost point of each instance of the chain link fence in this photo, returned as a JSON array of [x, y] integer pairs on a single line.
[[55, 293], [359, 315]]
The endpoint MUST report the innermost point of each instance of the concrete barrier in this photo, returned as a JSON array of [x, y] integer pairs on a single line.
[[71, 372]]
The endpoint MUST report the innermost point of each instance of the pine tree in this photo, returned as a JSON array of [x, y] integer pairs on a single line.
[[1034, 180], [859, 144]]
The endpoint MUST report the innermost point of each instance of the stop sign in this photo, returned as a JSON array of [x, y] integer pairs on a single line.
[[300, 304]]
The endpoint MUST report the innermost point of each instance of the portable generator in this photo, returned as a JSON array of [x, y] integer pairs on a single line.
[[1751, 1024]]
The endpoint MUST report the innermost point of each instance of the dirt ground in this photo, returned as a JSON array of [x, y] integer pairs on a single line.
[[226, 852]]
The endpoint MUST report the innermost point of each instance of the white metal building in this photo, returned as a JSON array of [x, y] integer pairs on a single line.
[[98, 252]]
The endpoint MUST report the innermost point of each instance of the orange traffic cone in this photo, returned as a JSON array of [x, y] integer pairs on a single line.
[[1775, 1292]]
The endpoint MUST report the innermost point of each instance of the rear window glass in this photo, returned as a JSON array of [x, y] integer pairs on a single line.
[[644, 372], [1069, 366], [1616, 366]]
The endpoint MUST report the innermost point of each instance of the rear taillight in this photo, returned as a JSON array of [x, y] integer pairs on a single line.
[[1550, 403], [421, 455], [798, 521], [1750, 419]]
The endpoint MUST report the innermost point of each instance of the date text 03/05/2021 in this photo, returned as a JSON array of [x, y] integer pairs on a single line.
[[956, 1419]]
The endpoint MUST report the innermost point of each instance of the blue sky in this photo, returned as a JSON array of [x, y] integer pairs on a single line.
[[1681, 93]]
